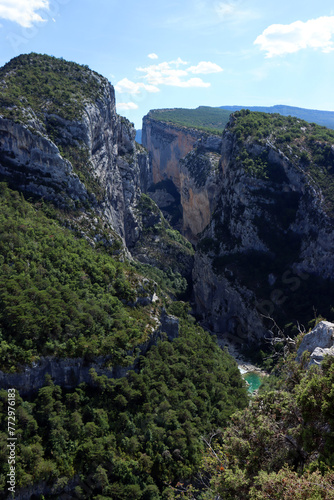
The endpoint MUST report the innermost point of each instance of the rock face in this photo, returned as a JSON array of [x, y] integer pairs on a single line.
[[319, 342], [90, 159], [199, 171], [35, 164], [187, 159], [167, 144], [268, 239]]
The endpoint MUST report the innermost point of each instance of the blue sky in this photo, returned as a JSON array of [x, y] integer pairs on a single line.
[[185, 53]]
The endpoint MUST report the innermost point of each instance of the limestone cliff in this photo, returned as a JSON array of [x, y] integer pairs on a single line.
[[185, 164], [266, 250], [199, 171], [64, 141], [167, 144]]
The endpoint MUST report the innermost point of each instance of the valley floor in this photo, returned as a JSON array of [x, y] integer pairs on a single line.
[[244, 365]]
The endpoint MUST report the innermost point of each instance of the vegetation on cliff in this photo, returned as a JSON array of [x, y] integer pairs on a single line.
[[308, 146], [35, 85], [164, 253], [59, 296], [211, 120]]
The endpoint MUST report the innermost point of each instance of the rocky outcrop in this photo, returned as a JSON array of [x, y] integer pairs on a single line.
[[319, 353], [35, 164], [318, 343], [69, 373]]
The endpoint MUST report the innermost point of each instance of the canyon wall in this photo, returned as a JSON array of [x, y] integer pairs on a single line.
[[189, 160], [266, 246], [257, 214], [167, 144]]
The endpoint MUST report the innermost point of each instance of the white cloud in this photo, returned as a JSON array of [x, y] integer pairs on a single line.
[[173, 74], [170, 74], [179, 62], [23, 12], [127, 105], [126, 86], [153, 56], [205, 68], [162, 74], [280, 39]]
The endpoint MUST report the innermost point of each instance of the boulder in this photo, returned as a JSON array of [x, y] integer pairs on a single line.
[[319, 342], [319, 353]]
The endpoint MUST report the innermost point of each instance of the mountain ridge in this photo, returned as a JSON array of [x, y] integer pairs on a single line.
[[321, 117], [207, 118]]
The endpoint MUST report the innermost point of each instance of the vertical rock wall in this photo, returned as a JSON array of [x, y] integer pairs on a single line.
[[190, 159]]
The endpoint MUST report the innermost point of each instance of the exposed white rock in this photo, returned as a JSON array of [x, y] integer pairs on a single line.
[[319, 342], [318, 355]]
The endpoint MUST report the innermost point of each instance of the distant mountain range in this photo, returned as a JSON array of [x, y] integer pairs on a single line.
[[325, 118], [214, 119]]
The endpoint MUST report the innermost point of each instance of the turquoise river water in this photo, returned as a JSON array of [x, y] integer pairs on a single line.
[[254, 381]]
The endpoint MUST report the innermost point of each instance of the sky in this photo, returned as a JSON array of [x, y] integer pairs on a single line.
[[185, 53]]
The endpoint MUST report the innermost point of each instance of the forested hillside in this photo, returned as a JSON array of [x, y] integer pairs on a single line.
[[131, 438], [281, 446]]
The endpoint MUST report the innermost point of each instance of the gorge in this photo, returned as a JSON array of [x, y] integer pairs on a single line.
[[120, 263]]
